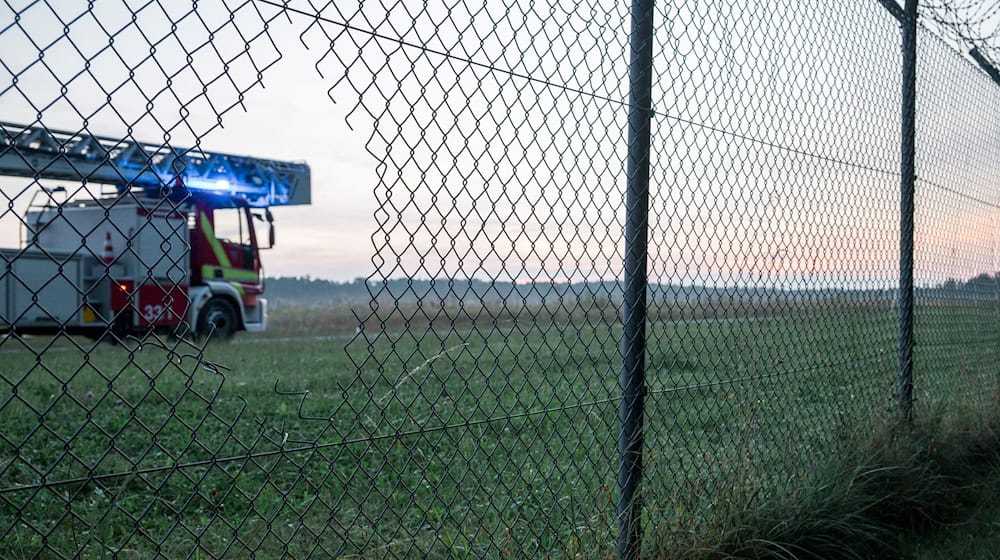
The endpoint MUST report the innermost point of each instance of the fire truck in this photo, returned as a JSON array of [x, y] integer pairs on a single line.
[[148, 237]]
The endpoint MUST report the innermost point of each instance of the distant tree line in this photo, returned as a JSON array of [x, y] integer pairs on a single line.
[[983, 286], [309, 291]]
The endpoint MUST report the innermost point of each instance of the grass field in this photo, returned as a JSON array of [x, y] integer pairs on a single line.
[[496, 438]]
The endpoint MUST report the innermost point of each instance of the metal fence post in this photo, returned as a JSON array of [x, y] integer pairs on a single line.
[[904, 383], [633, 381]]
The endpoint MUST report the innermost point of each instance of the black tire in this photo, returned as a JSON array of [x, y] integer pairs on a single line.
[[218, 320]]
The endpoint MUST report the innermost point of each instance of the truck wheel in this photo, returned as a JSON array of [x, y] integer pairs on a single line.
[[220, 315]]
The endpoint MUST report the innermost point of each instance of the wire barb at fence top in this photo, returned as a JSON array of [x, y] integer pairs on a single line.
[[605, 297]]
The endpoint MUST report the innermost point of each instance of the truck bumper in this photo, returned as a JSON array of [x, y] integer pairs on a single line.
[[255, 318]]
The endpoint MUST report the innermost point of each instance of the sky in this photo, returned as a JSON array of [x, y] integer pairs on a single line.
[[290, 118], [775, 143]]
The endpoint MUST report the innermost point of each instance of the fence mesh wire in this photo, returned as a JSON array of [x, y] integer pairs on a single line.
[[474, 411], [958, 297], [774, 227]]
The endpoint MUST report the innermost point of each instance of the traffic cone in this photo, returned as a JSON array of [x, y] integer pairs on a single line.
[[108, 253]]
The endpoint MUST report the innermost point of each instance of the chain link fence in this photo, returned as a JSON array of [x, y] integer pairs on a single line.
[[481, 408]]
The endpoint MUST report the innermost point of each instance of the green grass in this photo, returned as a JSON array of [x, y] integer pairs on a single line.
[[894, 492], [974, 532], [497, 438], [975, 538]]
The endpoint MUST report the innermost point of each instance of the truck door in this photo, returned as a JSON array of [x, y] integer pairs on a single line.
[[224, 247]]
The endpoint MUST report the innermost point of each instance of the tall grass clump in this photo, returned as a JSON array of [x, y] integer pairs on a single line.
[[897, 480]]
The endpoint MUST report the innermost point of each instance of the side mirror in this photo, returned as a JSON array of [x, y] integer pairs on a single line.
[[270, 226], [270, 222]]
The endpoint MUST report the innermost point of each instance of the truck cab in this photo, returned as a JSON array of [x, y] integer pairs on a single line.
[[227, 276]]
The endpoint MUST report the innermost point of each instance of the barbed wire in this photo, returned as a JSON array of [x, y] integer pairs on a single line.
[[970, 24]]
